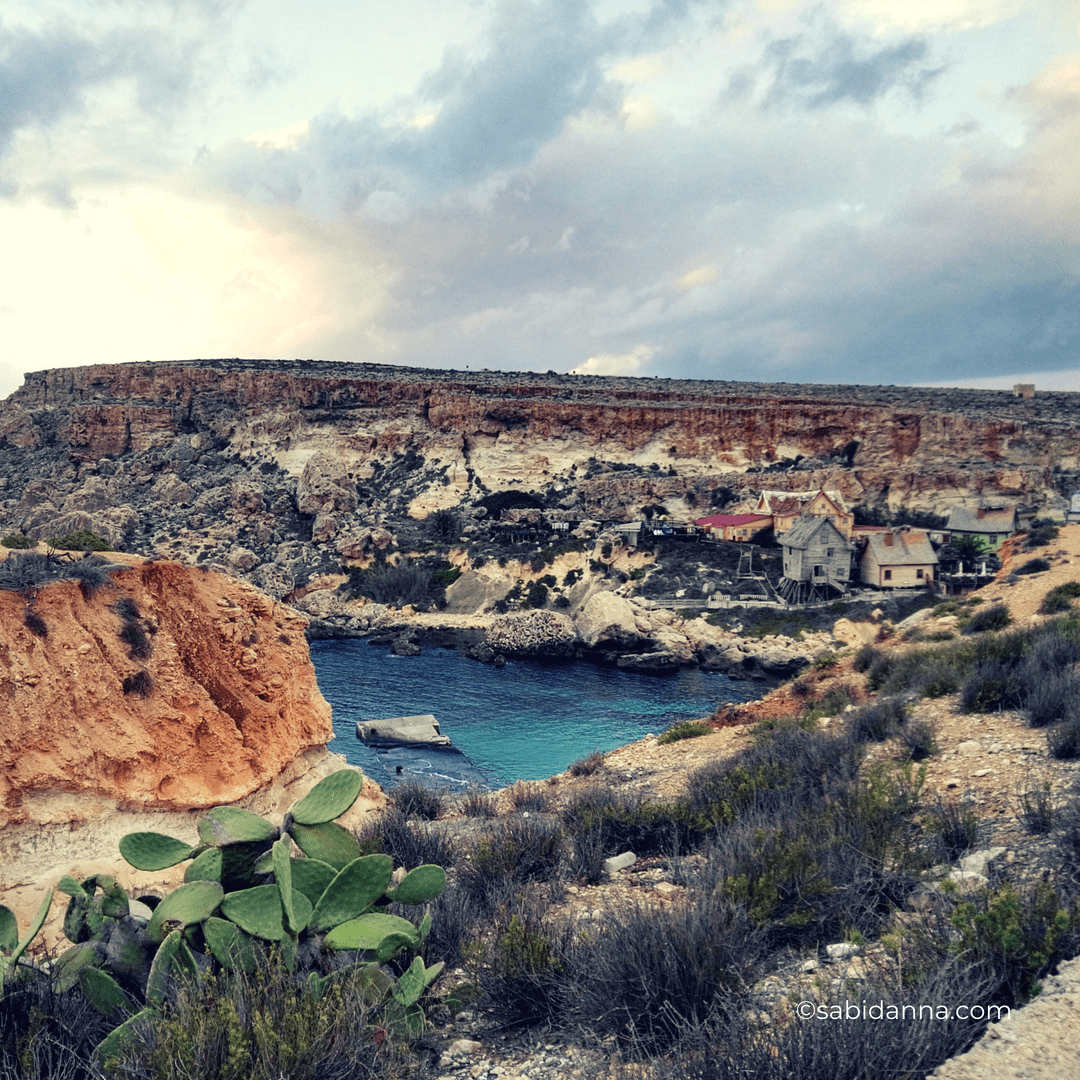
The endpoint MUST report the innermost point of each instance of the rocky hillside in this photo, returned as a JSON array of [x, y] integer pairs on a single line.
[[279, 470], [132, 705]]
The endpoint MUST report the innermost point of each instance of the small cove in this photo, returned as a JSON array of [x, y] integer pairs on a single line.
[[525, 721]]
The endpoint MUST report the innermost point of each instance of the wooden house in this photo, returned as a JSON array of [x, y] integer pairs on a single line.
[[817, 560], [898, 560], [786, 507], [992, 524]]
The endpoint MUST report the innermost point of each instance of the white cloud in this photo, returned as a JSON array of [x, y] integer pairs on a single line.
[[628, 363]]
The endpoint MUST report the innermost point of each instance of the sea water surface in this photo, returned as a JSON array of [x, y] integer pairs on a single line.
[[525, 721]]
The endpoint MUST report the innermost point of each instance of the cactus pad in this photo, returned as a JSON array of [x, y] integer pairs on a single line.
[[311, 876], [230, 825], [353, 891], [172, 960], [190, 903], [205, 867], [9, 929], [257, 911], [419, 885], [230, 945], [103, 992], [329, 798], [327, 842], [370, 931], [153, 851]]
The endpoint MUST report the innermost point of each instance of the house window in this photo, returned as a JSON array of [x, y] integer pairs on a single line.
[[888, 575], [829, 552], [918, 574]]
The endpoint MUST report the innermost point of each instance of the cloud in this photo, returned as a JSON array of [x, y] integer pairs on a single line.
[[628, 363], [826, 65], [42, 77]]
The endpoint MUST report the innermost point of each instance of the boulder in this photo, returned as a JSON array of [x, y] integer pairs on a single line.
[[323, 604], [325, 487], [421, 730], [172, 491], [608, 621]]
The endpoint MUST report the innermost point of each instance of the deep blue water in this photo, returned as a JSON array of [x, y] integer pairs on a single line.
[[524, 721]]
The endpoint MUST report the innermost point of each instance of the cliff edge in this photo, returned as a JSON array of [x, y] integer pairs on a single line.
[[166, 691]]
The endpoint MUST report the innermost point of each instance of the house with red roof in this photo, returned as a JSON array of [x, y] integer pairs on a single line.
[[737, 527]]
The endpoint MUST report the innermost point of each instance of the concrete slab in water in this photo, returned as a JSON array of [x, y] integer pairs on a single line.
[[402, 731]]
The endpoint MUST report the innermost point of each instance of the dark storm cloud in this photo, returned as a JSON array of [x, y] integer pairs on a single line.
[[42, 77]]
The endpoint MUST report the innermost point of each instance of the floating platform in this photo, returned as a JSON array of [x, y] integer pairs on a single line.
[[413, 731]]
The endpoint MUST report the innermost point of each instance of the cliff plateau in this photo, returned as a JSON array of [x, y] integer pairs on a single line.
[[278, 470]]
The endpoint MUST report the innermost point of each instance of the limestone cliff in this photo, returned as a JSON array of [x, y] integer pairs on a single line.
[[280, 469], [227, 710]]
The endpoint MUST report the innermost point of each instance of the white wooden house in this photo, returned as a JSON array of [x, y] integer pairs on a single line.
[[817, 560]]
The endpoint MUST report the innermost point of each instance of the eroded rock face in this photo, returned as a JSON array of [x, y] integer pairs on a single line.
[[234, 697], [233, 714]]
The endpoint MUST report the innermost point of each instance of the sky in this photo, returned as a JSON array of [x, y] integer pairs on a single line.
[[856, 191]]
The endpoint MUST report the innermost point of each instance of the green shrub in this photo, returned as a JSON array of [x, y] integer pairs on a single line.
[[1014, 935], [995, 617], [1058, 598], [18, 541], [263, 1025], [864, 657], [1063, 740], [477, 802], [395, 586], [140, 683], [80, 540], [686, 729], [31, 571], [444, 525], [415, 800], [919, 739], [877, 722], [1033, 566], [530, 797], [587, 765]]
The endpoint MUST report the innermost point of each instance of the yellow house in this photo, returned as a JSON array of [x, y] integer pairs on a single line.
[[786, 507]]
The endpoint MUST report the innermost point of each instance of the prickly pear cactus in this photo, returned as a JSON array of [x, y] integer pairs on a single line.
[[247, 889]]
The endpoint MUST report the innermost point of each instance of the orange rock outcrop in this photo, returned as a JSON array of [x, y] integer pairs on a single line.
[[234, 695]]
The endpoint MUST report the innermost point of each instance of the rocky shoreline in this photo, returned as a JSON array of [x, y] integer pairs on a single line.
[[609, 630]]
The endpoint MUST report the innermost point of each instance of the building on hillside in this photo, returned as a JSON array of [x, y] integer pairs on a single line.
[[817, 561], [734, 527], [898, 560], [992, 524], [786, 507]]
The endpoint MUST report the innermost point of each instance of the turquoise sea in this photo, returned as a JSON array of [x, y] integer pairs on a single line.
[[524, 721]]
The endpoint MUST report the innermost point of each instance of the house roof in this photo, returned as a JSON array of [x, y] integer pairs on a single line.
[[802, 532], [982, 520], [719, 521], [901, 549], [787, 502]]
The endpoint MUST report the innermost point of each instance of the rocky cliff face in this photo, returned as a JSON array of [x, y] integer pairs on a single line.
[[277, 470], [221, 706]]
